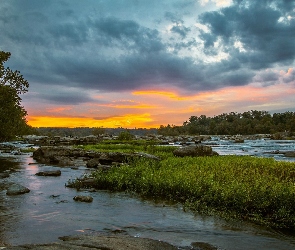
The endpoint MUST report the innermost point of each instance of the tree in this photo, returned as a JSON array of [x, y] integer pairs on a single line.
[[125, 136], [12, 114], [98, 131]]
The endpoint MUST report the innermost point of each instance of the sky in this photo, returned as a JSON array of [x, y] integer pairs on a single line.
[[142, 64]]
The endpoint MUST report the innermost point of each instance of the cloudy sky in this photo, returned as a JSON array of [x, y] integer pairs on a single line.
[[139, 63]]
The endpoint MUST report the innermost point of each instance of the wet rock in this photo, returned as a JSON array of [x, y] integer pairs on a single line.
[[83, 198], [199, 150], [49, 173], [105, 167], [110, 157], [88, 183], [147, 156], [239, 140], [92, 163], [203, 246], [70, 156], [54, 196], [63, 161], [290, 154], [4, 175], [56, 155], [16, 189]]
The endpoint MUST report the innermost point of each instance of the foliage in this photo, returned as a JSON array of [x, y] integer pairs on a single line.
[[11, 78], [12, 114], [84, 131], [98, 131], [250, 122], [125, 136], [256, 189]]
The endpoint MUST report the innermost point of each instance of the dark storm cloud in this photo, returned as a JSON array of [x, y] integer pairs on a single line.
[[65, 97], [181, 30], [262, 27], [127, 34], [107, 47]]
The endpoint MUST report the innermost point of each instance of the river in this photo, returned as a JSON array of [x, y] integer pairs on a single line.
[[49, 211]]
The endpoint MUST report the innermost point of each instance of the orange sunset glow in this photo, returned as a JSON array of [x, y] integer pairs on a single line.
[[126, 121], [152, 108]]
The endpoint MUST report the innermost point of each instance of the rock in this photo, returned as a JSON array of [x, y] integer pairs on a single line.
[[203, 246], [110, 157], [16, 189], [147, 156], [239, 140], [105, 167], [289, 154], [4, 175], [88, 183], [113, 242], [56, 155], [92, 163], [83, 198], [70, 156], [199, 150], [49, 173]]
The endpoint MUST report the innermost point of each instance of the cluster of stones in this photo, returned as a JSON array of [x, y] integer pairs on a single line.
[[70, 156]]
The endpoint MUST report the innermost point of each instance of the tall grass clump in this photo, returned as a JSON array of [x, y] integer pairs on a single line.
[[130, 147], [256, 189]]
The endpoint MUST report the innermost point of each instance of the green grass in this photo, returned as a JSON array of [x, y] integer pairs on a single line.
[[251, 188], [130, 147], [27, 150]]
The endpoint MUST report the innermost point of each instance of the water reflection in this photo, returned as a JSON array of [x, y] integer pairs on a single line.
[[49, 211]]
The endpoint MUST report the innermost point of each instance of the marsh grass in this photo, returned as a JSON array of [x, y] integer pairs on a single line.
[[251, 188]]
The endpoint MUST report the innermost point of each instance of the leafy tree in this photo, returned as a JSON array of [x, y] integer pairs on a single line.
[[125, 136], [250, 122], [98, 131], [12, 114]]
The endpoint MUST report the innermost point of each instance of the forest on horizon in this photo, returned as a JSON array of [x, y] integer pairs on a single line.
[[246, 123]]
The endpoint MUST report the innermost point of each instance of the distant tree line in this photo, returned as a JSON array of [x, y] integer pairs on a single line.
[[247, 123], [84, 131]]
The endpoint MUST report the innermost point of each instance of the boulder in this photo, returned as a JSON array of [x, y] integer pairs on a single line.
[[147, 156], [49, 173], [239, 140], [93, 163], [113, 157], [16, 189], [70, 156], [203, 246], [83, 198], [193, 151], [290, 154], [57, 155], [4, 175]]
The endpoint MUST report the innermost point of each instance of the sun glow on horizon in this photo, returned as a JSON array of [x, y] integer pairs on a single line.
[[152, 108], [126, 121]]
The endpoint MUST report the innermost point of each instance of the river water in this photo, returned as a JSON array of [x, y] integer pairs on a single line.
[[49, 211]]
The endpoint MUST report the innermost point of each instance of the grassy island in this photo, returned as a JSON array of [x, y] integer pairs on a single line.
[[244, 187]]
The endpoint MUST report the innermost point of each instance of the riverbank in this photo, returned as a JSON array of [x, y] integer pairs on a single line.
[[101, 242], [249, 188], [48, 211]]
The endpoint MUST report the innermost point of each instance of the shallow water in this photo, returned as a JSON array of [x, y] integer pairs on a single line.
[[260, 148], [49, 211]]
